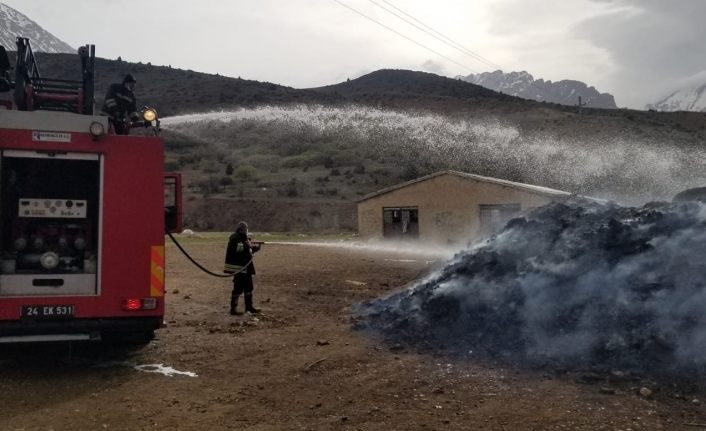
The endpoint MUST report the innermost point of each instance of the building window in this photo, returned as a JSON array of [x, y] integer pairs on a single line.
[[401, 222], [494, 217]]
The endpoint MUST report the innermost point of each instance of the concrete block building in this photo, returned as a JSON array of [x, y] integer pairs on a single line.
[[447, 207]]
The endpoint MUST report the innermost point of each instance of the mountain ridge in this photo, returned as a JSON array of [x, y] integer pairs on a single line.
[[691, 98], [522, 84], [15, 24]]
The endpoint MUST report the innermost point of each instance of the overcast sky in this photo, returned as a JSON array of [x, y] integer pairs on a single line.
[[637, 50]]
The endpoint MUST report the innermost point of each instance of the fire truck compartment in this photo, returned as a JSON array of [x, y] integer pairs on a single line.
[[49, 227]]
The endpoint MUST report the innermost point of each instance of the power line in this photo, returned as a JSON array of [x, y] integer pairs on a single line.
[[442, 37], [436, 34], [406, 37]]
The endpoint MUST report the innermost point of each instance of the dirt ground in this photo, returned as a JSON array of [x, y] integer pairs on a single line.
[[300, 366]]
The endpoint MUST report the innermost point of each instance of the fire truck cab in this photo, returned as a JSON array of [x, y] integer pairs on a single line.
[[82, 213]]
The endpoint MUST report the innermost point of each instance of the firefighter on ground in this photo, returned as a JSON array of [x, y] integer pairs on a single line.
[[239, 256], [120, 105]]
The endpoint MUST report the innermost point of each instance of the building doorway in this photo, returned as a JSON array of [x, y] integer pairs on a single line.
[[400, 223]]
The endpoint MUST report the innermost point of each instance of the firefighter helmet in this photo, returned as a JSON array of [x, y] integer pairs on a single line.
[[129, 78]]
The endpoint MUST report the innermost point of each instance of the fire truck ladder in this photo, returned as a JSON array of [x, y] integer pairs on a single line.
[[34, 92]]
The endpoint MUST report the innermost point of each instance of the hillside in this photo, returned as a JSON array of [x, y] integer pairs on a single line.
[[293, 159], [176, 91], [393, 82]]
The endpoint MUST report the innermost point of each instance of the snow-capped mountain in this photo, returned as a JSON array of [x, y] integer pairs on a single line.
[[691, 98], [523, 84], [14, 23]]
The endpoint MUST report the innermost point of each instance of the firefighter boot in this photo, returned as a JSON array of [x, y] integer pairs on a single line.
[[233, 306], [248, 304]]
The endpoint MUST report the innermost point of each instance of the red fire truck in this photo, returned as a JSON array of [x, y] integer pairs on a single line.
[[82, 211]]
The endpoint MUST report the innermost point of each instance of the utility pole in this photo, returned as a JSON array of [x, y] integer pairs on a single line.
[[580, 105]]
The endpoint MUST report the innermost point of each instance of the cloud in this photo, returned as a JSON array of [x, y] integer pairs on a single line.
[[434, 67], [636, 49], [537, 37], [693, 80], [523, 19], [652, 43]]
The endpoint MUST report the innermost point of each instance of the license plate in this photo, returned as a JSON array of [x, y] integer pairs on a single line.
[[48, 311]]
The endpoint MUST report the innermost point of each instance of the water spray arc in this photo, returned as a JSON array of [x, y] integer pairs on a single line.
[[622, 167]]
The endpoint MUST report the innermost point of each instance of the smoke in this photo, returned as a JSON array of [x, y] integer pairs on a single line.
[[572, 284]]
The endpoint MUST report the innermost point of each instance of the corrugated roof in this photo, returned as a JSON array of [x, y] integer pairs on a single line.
[[545, 191]]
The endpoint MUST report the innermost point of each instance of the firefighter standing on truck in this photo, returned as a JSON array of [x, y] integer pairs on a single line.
[[239, 256], [121, 105]]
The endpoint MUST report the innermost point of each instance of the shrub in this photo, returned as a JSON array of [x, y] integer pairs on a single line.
[[343, 158], [210, 168], [293, 147], [245, 172], [209, 185], [172, 165], [292, 162], [327, 192], [189, 159], [291, 191], [410, 172], [174, 142], [308, 159], [262, 161]]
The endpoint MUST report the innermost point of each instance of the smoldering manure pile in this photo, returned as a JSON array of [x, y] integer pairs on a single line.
[[573, 284]]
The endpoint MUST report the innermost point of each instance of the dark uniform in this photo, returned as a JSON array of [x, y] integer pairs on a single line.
[[239, 255], [120, 104]]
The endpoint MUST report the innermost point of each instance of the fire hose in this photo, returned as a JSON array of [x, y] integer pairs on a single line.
[[201, 267]]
